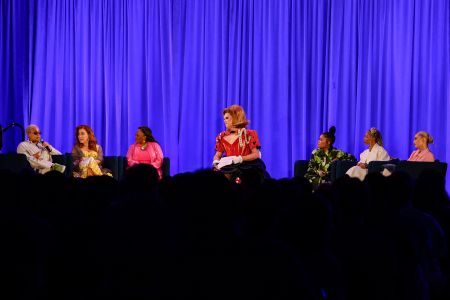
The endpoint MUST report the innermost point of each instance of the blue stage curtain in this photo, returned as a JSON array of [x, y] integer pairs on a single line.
[[297, 67]]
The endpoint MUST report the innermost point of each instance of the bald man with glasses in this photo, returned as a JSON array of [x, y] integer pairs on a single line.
[[38, 152]]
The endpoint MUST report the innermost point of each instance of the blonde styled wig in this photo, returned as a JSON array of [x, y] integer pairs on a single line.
[[238, 115]]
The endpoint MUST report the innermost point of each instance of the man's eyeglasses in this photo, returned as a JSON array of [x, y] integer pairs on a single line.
[[36, 132]]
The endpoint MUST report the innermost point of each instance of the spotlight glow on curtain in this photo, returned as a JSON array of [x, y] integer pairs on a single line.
[[297, 67]]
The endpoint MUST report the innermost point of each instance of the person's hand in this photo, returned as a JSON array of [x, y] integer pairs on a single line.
[[215, 163], [322, 173], [362, 165], [37, 155], [90, 172], [237, 159]]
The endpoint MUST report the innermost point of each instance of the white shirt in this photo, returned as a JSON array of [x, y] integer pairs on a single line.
[[377, 153], [44, 163]]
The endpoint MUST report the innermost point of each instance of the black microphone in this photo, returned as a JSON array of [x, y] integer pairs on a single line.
[[47, 147]]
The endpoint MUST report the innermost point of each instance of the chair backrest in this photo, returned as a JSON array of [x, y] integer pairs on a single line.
[[117, 165], [166, 167], [14, 162], [378, 165], [300, 168], [338, 168], [415, 168]]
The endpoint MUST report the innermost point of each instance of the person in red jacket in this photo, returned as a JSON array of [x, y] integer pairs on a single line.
[[240, 145]]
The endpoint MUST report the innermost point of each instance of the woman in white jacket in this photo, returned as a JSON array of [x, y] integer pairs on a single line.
[[375, 152]]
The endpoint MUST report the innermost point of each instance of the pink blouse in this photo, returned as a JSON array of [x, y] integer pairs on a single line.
[[425, 155], [151, 155]]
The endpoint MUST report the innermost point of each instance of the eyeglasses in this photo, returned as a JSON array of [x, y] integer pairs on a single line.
[[36, 132]]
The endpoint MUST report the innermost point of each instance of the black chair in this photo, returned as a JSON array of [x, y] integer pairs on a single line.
[[414, 169], [117, 165], [300, 168], [379, 165], [166, 167], [64, 159], [14, 162], [338, 168]]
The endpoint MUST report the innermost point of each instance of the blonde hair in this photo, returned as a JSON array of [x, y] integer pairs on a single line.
[[376, 134], [238, 115], [428, 138]]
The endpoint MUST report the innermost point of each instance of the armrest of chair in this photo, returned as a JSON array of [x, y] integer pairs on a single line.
[[14, 162]]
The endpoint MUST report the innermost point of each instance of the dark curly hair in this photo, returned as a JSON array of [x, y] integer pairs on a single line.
[[330, 135], [148, 134]]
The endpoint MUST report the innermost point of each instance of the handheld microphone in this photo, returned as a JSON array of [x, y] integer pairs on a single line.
[[46, 147]]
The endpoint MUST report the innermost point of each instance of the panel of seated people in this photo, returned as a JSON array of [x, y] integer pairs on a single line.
[[117, 164]]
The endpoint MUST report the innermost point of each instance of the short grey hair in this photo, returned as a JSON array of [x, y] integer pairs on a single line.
[[30, 128]]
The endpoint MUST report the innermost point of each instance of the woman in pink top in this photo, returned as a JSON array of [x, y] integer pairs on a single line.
[[421, 141], [146, 150]]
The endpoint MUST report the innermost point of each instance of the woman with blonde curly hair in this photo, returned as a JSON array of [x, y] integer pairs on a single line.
[[376, 152], [421, 141]]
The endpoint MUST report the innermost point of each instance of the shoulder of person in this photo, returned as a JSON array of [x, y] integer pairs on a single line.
[[337, 153], [220, 136], [381, 149], [252, 133], [155, 145], [317, 151]]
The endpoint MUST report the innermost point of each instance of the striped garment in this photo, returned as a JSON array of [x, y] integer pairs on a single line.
[[44, 163]]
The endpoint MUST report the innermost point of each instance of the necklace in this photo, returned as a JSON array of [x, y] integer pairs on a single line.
[[144, 146]]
